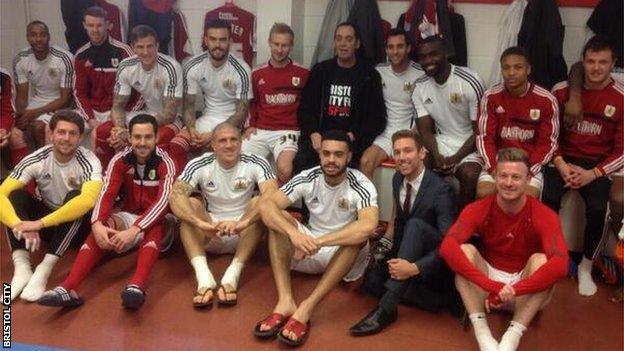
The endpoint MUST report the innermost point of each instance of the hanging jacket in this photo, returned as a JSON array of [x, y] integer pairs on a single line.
[[337, 11], [541, 35], [437, 22], [72, 11], [507, 36], [365, 15], [606, 21], [156, 14]]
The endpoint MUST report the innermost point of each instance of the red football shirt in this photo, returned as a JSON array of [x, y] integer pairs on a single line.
[[529, 122], [598, 137], [277, 94], [243, 29]]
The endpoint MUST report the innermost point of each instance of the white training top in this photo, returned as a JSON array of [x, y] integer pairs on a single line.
[[164, 80], [55, 179], [452, 105], [331, 207], [221, 86], [45, 78], [397, 92], [226, 191]]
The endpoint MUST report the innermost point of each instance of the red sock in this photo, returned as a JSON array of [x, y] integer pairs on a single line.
[[102, 149], [148, 253], [166, 133], [90, 254], [178, 149]]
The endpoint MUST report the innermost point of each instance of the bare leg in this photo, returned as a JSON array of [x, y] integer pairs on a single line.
[[373, 156], [468, 175], [285, 166], [533, 191], [38, 132], [485, 189]]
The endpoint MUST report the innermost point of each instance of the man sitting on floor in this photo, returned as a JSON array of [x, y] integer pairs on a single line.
[[523, 254], [343, 215]]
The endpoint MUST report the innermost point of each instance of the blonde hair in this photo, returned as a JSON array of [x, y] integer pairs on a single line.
[[513, 154]]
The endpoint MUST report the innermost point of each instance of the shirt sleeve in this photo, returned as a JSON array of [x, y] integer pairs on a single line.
[[191, 82], [112, 183], [253, 105], [419, 106], [487, 123], [173, 80], [366, 194], [123, 86], [263, 170], [243, 86], [8, 216], [547, 136], [296, 187], [81, 90], [192, 172], [19, 71], [76, 207], [67, 71], [474, 94], [615, 160], [29, 167]]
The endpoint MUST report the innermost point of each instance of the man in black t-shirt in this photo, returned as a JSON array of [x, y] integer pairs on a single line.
[[342, 93]]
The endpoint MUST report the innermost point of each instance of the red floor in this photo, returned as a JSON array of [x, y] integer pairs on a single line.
[[167, 320]]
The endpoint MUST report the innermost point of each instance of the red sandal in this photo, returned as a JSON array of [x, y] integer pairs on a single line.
[[301, 331], [275, 320]]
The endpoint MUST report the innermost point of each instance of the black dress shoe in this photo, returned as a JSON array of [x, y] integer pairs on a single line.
[[374, 322]]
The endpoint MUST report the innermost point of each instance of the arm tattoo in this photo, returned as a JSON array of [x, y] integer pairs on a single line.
[[169, 111], [239, 116], [189, 111], [118, 111], [181, 188]]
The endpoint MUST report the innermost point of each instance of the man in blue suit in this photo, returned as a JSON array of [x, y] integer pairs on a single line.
[[408, 267]]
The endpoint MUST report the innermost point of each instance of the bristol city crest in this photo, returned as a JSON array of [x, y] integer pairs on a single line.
[[296, 81]]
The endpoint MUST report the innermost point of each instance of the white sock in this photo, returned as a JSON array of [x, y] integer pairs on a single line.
[[482, 332], [511, 338], [22, 272], [586, 285], [202, 273], [37, 284], [232, 273]]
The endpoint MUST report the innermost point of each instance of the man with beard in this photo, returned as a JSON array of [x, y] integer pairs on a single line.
[[96, 65], [523, 253], [398, 77], [226, 220], [277, 86], [408, 267], [590, 151], [342, 93], [447, 101], [520, 114], [343, 215], [224, 81], [158, 80], [146, 173], [44, 76], [69, 179]]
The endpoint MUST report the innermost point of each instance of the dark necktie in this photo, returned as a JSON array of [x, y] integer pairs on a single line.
[[407, 204]]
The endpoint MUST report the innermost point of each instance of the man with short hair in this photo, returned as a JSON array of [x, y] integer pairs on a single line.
[[447, 101], [277, 86], [69, 179], [44, 76], [158, 80], [590, 151], [96, 65], [226, 220], [224, 82], [146, 173], [398, 77], [342, 93], [408, 267], [516, 113], [523, 253], [343, 215]]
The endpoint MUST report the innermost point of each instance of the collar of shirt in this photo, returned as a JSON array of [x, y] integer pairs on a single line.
[[414, 182]]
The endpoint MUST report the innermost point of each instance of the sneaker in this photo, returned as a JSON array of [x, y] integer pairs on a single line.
[[59, 297], [132, 297]]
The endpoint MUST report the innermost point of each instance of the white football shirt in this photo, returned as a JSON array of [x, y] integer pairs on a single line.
[[397, 92]]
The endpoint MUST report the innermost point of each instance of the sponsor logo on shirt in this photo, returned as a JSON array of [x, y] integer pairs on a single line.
[[280, 99], [455, 98], [296, 81], [339, 100], [428, 101], [517, 133], [534, 113], [585, 127], [609, 111], [500, 109]]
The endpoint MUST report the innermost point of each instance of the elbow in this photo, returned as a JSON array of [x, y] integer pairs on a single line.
[[368, 231]]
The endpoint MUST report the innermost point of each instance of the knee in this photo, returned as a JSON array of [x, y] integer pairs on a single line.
[[38, 127], [535, 261], [485, 189], [470, 251], [102, 132], [284, 172], [70, 195], [16, 139], [469, 173]]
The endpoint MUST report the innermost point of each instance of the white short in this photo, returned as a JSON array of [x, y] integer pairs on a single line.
[[319, 261], [205, 124], [505, 278], [45, 118], [125, 220], [537, 181], [220, 245], [384, 141], [271, 142]]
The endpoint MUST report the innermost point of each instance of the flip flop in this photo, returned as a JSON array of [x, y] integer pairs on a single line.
[[275, 320], [203, 303], [301, 331], [227, 289]]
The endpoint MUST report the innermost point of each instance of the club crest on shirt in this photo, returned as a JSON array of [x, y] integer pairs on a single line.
[[408, 87], [455, 98], [609, 111], [228, 84], [158, 84], [240, 183], [534, 113], [114, 62], [152, 174], [53, 72], [296, 81], [343, 203]]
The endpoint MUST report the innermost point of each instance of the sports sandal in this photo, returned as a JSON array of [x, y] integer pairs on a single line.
[[227, 290], [59, 297], [202, 292], [301, 332], [275, 321]]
